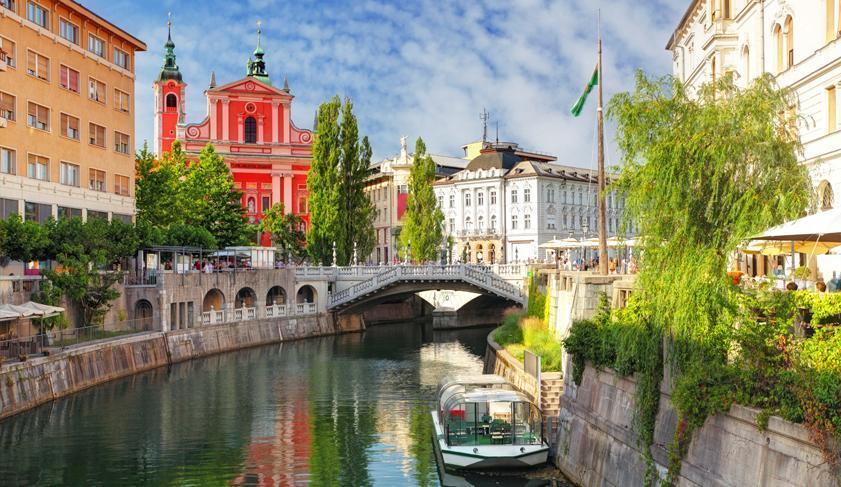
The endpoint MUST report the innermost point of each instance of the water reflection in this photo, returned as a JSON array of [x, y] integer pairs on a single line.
[[345, 410]]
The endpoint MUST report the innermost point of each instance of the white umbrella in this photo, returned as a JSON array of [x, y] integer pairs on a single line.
[[820, 227], [44, 309]]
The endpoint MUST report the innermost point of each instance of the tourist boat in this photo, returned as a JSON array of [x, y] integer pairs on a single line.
[[484, 422]]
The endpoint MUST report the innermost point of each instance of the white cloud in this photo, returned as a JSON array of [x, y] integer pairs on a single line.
[[424, 68]]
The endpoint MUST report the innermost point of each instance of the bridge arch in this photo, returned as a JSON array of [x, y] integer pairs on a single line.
[[246, 298], [276, 295], [306, 294], [215, 299]]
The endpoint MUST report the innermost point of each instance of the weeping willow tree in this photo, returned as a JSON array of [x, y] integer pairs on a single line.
[[701, 173]]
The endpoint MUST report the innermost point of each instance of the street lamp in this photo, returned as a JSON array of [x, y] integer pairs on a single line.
[[354, 254], [334, 254], [408, 251]]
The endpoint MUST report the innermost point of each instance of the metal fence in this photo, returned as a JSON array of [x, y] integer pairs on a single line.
[[20, 348]]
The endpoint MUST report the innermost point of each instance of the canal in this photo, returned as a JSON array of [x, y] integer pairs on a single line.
[[344, 410]]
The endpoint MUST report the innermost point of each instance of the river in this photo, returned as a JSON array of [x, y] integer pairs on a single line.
[[342, 410]]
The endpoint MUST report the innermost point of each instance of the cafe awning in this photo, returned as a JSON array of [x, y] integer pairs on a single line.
[[29, 309], [820, 227]]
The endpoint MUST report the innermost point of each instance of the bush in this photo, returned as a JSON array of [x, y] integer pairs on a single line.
[[519, 333], [509, 331]]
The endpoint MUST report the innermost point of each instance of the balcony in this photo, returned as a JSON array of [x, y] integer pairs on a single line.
[[476, 233]]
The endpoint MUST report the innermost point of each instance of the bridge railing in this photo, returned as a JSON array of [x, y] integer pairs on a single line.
[[274, 311], [481, 276], [365, 272]]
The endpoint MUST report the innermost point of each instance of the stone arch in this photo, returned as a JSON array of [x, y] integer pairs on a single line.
[[306, 294], [826, 197], [276, 295], [246, 298], [144, 314], [171, 101], [215, 299]]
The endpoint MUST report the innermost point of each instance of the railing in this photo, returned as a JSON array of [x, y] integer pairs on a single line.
[[215, 317], [481, 276], [26, 346]]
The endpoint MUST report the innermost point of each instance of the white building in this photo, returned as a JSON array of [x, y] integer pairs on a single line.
[[795, 40], [388, 188], [508, 201]]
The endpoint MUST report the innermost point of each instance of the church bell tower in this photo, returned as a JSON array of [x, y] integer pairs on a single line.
[[170, 91]]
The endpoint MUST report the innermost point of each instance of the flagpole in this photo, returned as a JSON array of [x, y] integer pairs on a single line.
[[601, 196]]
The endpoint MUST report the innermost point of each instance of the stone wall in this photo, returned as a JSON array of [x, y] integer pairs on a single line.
[[597, 446], [27, 384]]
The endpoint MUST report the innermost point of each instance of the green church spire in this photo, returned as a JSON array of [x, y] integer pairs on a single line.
[[169, 71], [257, 66]]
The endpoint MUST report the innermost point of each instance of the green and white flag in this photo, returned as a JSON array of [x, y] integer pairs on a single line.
[[579, 105]]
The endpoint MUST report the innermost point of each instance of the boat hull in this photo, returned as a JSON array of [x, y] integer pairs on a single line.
[[488, 456]]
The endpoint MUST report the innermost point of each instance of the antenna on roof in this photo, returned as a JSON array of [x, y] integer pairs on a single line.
[[497, 132], [484, 116]]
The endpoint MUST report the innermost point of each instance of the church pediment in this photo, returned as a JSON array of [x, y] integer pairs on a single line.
[[251, 86]]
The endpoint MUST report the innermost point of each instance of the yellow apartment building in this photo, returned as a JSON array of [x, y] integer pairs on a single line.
[[66, 112]]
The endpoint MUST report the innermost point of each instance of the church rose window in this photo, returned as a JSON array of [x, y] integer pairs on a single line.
[[250, 130]]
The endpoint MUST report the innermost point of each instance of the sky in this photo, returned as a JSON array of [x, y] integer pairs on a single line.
[[416, 68]]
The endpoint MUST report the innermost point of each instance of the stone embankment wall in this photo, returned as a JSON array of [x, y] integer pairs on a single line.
[[597, 446], [39, 380]]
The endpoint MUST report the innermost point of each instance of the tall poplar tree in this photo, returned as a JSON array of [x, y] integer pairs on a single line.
[[212, 201], [340, 211], [322, 183], [158, 194], [423, 221]]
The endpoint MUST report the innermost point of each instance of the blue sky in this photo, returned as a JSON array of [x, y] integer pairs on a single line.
[[415, 68]]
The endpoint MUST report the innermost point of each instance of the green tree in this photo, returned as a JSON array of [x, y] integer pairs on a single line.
[[212, 200], [423, 221], [702, 172], [323, 182], [188, 235], [23, 240], [159, 196], [285, 231]]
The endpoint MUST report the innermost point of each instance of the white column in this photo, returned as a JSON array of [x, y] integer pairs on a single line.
[[261, 131], [287, 192], [225, 121], [213, 114], [287, 131], [275, 188]]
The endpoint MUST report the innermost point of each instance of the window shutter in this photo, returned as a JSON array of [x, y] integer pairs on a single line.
[[43, 67], [7, 102], [33, 109], [31, 62], [44, 114], [74, 123], [64, 74], [74, 81]]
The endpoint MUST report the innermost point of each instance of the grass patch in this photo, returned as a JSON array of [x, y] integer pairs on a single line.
[[519, 332]]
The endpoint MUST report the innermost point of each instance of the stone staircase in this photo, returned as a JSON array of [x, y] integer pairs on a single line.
[[551, 390]]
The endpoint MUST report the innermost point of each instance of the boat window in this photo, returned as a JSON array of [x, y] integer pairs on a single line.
[[492, 423]]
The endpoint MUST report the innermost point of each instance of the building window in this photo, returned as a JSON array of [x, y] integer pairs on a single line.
[[789, 32], [39, 116], [452, 225], [69, 126], [37, 65], [833, 16], [8, 161], [513, 195], [513, 222], [267, 203], [97, 134], [120, 58], [468, 224], [8, 208], [68, 78], [466, 199], [96, 90], [526, 221], [9, 47], [37, 212], [493, 223], [171, 101], [440, 201], [69, 174], [121, 143], [9, 4], [66, 213], [38, 167], [831, 109], [96, 45], [493, 197], [480, 198], [452, 201], [68, 31], [97, 180], [37, 14], [121, 100], [250, 130], [302, 203], [94, 215], [121, 185], [526, 195], [7, 106]]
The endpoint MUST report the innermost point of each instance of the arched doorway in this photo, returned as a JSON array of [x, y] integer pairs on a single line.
[[479, 254], [276, 295], [306, 294], [492, 254], [246, 297], [143, 315], [213, 299]]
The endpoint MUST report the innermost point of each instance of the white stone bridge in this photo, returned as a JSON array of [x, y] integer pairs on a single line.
[[359, 285]]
